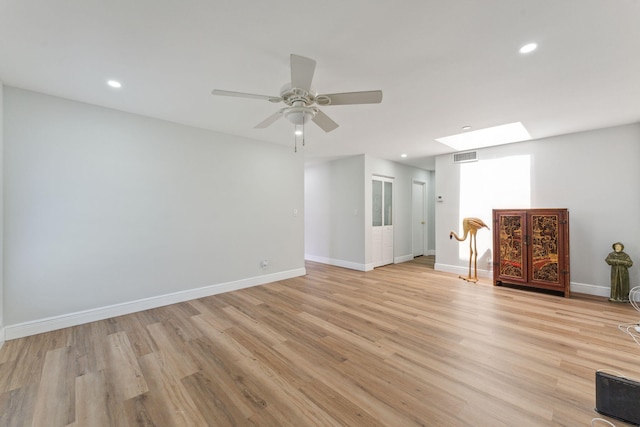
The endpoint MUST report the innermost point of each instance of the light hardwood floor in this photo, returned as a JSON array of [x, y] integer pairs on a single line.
[[402, 345]]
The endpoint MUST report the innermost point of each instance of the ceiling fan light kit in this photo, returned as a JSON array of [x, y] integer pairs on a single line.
[[302, 100], [299, 115]]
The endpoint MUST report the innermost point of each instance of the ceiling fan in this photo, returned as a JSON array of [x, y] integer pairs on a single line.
[[302, 100]]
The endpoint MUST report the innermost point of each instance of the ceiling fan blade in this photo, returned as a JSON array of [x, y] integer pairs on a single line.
[[245, 95], [302, 70], [269, 120], [324, 122], [348, 98]]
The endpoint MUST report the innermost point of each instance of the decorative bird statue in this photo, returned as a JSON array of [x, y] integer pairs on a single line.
[[470, 226]]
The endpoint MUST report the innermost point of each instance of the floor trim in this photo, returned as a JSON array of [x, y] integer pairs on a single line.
[[72, 319], [339, 263], [581, 288]]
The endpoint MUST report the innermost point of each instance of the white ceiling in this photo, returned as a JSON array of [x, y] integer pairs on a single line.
[[441, 64]]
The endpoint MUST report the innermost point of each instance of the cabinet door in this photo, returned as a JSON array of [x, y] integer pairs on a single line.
[[510, 246], [546, 241]]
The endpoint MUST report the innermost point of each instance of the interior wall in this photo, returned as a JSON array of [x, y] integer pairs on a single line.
[[404, 176], [1, 214], [431, 213], [334, 212], [338, 210], [594, 174], [104, 208]]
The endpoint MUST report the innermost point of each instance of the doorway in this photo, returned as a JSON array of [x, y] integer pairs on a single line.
[[419, 220]]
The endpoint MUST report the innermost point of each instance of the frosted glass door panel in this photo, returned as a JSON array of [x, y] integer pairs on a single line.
[[377, 203], [388, 193]]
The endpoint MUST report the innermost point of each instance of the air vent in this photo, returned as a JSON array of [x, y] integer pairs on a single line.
[[469, 156]]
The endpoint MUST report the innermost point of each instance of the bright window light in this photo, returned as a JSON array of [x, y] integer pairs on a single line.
[[528, 48], [497, 135], [501, 183]]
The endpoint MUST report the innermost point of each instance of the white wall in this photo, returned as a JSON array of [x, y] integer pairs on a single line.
[[334, 212], [338, 210], [431, 213], [1, 216], [105, 209], [594, 174]]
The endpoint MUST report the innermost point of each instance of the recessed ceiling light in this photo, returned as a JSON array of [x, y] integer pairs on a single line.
[[528, 48], [403, 155], [497, 135], [466, 127], [114, 84]]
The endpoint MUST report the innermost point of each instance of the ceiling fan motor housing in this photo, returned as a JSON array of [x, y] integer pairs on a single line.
[[293, 96]]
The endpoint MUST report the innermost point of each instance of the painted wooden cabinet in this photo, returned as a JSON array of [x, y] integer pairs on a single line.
[[531, 248]]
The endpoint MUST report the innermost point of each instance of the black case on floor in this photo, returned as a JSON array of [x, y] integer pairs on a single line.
[[618, 397]]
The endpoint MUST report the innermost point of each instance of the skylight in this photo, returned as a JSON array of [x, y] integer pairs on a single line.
[[528, 48], [497, 135]]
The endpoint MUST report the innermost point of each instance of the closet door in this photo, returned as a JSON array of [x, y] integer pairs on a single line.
[[382, 221]]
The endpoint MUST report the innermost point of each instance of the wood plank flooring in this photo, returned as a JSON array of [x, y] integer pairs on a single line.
[[402, 345]]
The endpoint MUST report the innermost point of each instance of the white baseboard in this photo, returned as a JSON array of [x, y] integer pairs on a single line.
[[581, 288], [584, 288], [1, 337], [352, 265], [338, 263], [462, 271], [403, 258], [431, 252], [72, 319]]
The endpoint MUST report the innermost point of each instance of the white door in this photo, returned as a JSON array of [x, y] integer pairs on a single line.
[[382, 222], [419, 220]]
